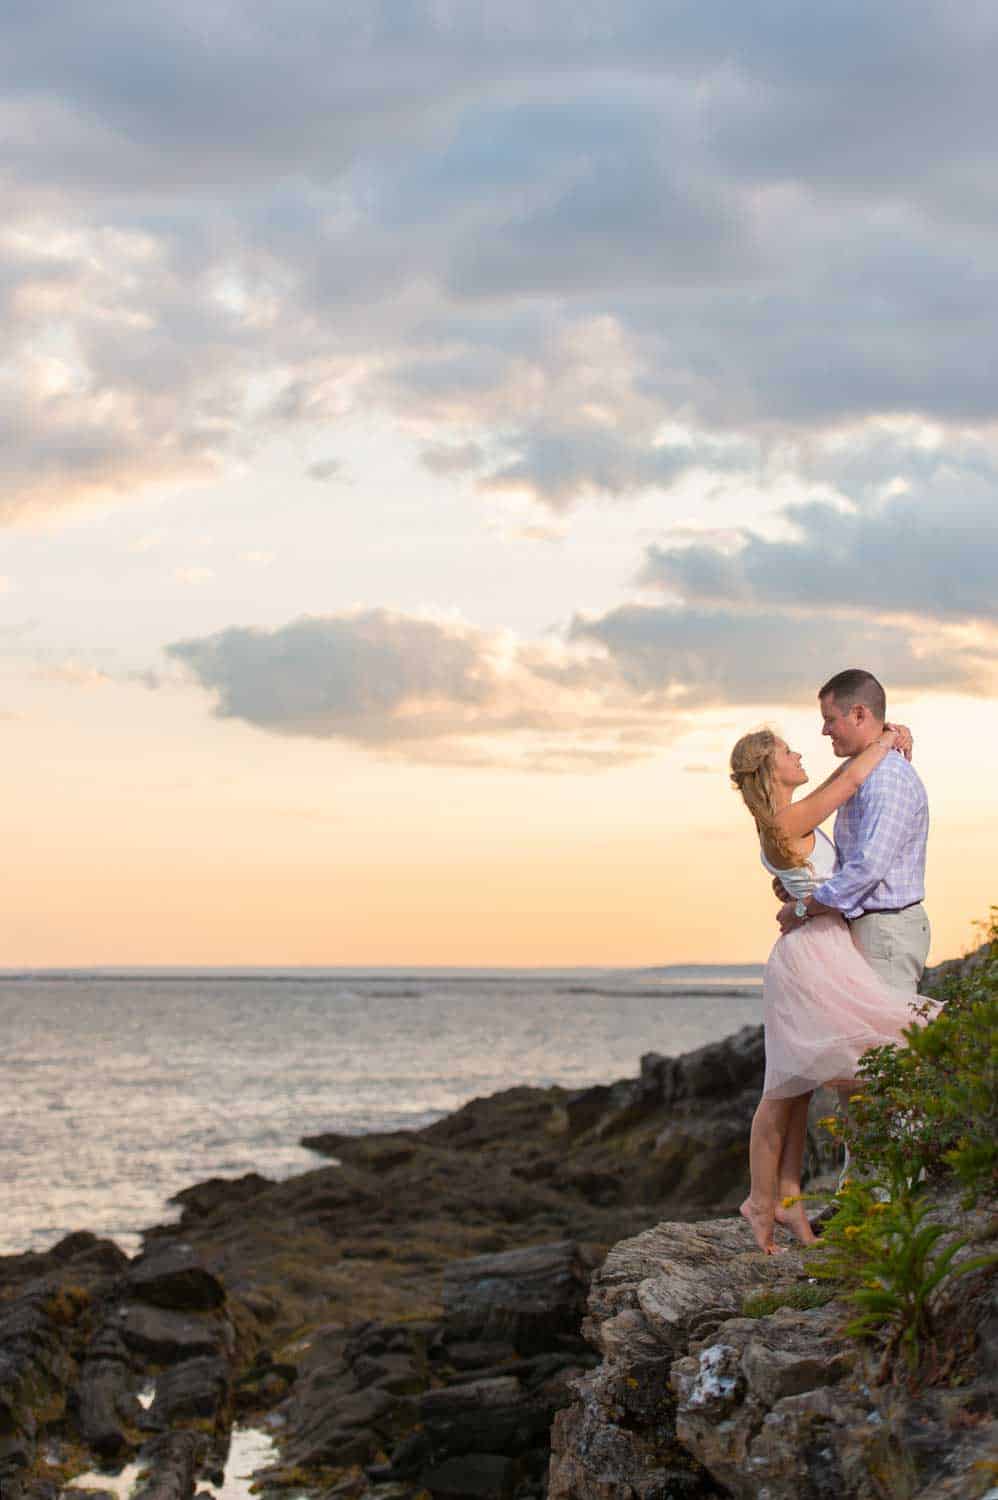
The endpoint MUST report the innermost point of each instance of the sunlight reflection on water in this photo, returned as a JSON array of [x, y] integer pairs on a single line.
[[249, 1450], [116, 1092]]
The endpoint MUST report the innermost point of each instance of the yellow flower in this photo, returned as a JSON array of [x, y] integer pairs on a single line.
[[855, 1098], [878, 1208], [851, 1231], [789, 1202]]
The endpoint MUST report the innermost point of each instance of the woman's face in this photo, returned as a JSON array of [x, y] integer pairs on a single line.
[[787, 768]]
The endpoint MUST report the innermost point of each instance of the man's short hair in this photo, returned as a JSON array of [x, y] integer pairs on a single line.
[[856, 686]]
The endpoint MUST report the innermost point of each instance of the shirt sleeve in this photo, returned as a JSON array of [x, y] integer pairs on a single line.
[[884, 827]]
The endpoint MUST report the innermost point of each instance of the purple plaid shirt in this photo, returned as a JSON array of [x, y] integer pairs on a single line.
[[880, 837]]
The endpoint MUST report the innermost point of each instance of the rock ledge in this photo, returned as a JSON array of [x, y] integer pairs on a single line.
[[693, 1399]]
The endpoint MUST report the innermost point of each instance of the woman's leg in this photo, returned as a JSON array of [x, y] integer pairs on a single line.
[[794, 1218], [769, 1132]]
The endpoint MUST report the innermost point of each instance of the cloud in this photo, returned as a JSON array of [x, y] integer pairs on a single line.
[[73, 673], [452, 458], [328, 468], [560, 466], [423, 689], [911, 531], [615, 689], [544, 235], [690, 659]]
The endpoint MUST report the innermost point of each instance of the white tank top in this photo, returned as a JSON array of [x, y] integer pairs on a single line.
[[802, 879]]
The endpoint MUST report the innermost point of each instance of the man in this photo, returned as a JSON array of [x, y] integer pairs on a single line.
[[880, 835], [880, 838]]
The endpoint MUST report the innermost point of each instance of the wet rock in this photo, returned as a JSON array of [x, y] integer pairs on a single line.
[[194, 1388], [173, 1278], [477, 1354], [105, 1396], [526, 1297], [88, 1253], [219, 1194], [166, 1337], [473, 1476], [171, 1462], [36, 1371], [581, 1110], [484, 1416], [397, 1373], [413, 1454], [329, 1422], [521, 1111], [736, 1063]]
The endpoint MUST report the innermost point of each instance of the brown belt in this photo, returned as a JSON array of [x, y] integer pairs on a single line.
[[885, 911]]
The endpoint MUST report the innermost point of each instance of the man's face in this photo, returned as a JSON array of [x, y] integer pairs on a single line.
[[843, 729]]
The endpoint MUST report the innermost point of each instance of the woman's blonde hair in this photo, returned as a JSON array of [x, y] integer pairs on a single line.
[[752, 775]]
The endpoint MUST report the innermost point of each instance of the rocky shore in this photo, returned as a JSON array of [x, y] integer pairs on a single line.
[[411, 1319], [716, 1380]]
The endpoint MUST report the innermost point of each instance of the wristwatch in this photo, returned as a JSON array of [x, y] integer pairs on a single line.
[[800, 910]]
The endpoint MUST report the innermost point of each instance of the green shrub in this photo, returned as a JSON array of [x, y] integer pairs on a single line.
[[928, 1109], [931, 1106], [888, 1260]]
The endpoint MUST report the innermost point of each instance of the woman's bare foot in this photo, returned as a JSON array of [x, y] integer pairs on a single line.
[[760, 1221], [793, 1217]]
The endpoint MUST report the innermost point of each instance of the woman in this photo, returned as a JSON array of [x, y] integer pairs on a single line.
[[824, 1006]]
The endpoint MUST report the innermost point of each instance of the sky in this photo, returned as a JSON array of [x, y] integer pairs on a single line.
[[432, 433]]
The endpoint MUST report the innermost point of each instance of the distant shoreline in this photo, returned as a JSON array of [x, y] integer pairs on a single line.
[[394, 972]]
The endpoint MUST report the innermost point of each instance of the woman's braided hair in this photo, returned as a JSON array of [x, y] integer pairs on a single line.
[[752, 775]]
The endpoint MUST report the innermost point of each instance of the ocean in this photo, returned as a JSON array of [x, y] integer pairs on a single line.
[[117, 1089]]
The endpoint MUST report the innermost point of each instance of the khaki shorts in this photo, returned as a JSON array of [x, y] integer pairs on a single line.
[[895, 944]]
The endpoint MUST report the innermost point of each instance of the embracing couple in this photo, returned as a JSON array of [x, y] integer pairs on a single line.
[[844, 975]]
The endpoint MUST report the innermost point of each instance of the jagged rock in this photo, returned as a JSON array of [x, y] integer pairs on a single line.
[[699, 1159], [36, 1371], [527, 1297], [682, 1278], [583, 1108], [105, 1396], [218, 1194], [693, 1398], [484, 1416], [477, 1354], [164, 1336], [473, 1476], [397, 1373], [173, 1278], [520, 1110], [330, 1422], [720, 1068], [733, 1386], [193, 1388], [172, 1463], [88, 1253]]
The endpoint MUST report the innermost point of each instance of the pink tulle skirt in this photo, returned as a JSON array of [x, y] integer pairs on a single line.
[[824, 1007]]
